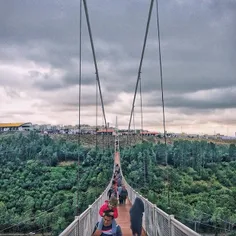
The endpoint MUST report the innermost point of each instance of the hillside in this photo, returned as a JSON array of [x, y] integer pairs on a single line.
[[109, 141]]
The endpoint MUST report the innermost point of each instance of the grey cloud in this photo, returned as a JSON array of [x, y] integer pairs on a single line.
[[19, 113], [128, 32], [61, 100], [224, 121], [48, 81], [198, 49], [45, 81], [35, 20], [19, 116], [208, 99], [228, 102], [12, 93]]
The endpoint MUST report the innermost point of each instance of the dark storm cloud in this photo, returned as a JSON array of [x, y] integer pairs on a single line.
[[198, 49], [228, 102], [26, 20], [195, 102]]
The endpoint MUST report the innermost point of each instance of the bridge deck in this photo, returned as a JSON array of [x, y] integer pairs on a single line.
[[123, 210], [124, 219]]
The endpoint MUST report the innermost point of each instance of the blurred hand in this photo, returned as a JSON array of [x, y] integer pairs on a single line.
[[98, 232]]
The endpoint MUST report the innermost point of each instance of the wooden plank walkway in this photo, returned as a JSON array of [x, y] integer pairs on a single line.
[[124, 219], [123, 212]]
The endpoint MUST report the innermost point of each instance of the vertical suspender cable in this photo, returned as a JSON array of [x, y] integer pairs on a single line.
[[108, 138], [127, 138], [161, 74], [141, 106], [103, 140], [96, 115], [141, 111], [134, 128], [141, 62], [94, 59], [80, 78], [162, 95]]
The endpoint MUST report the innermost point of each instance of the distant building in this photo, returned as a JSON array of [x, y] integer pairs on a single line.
[[106, 131], [149, 133], [126, 132], [4, 127], [86, 129]]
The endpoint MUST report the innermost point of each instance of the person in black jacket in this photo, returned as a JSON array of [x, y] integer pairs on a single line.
[[136, 216], [112, 192], [123, 195]]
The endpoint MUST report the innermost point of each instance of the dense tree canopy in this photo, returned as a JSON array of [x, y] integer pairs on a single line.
[[38, 181], [194, 180]]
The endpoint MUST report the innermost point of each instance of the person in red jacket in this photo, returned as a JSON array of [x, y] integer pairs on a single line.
[[112, 206], [109, 205]]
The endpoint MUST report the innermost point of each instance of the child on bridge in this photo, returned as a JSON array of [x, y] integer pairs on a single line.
[[109, 205]]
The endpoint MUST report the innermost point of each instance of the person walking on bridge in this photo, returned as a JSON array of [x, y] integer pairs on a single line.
[[123, 195], [136, 216], [112, 192], [110, 206], [107, 226]]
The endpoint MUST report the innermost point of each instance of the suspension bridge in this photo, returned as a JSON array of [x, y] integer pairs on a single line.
[[156, 222]]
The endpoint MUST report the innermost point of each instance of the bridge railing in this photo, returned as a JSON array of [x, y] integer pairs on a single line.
[[84, 224], [155, 221]]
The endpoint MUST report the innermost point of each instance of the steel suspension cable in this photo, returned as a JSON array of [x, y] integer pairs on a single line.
[[103, 145], [134, 126], [141, 106], [96, 116], [141, 62], [162, 97], [161, 74], [141, 111], [80, 80], [80, 65], [94, 59]]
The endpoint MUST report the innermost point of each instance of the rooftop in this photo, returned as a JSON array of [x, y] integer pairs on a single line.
[[11, 124]]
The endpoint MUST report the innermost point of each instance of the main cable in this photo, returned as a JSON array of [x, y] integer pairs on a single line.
[[80, 82], [134, 127], [161, 74], [94, 59], [142, 131], [141, 107], [141, 62], [162, 98], [96, 134]]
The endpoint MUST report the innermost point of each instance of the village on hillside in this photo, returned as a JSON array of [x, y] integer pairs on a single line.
[[86, 129]]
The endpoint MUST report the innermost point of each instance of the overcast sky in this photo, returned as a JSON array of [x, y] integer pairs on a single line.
[[39, 63]]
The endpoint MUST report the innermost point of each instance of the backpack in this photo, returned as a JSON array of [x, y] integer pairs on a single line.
[[112, 193]]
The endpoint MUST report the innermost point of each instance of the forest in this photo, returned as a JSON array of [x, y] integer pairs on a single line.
[[193, 180], [41, 176], [38, 181]]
